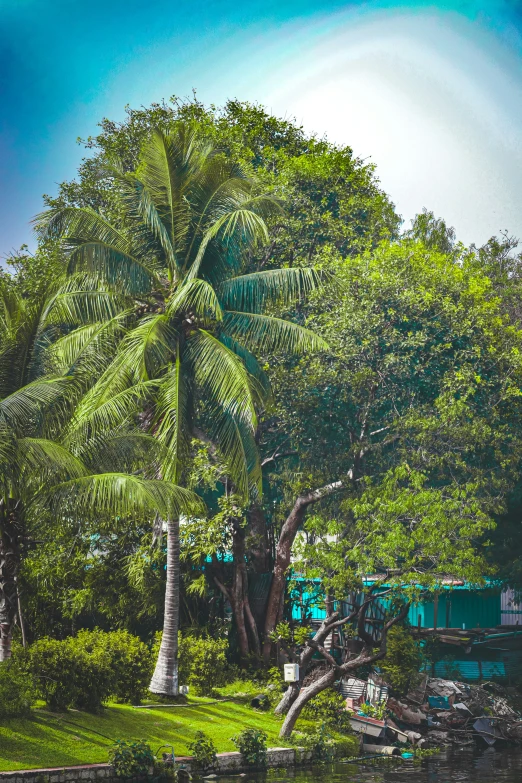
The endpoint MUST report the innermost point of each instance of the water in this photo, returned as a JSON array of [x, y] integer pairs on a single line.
[[462, 766]]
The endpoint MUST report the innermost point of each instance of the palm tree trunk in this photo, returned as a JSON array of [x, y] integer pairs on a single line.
[[8, 578], [165, 678]]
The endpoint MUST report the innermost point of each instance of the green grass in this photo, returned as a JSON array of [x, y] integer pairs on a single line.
[[55, 740]]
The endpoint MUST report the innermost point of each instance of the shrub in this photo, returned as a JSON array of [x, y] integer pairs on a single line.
[[54, 667], [93, 673], [83, 671], [328, 708], [202, 663], [17, 691], [374, 710], [403, 660], [208, 666], [129, 658], [320, 743], [131, 759], [203, 750], [251, 743]]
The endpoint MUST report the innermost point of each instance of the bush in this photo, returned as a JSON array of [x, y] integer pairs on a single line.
[[85, 670], [328, 708], [403, 660], [202, 663], [320, 743], [129, 658], [131, 759], [204, 751], [55, 670], [251, 743], [17, 691], [93, 673]]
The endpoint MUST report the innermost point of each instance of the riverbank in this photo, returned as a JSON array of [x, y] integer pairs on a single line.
[[74, 738]]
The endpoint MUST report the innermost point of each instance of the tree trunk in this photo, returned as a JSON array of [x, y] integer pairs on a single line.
[[289, 696], [257, 541], [304, 697], [237, 596], [165, 678], [9, 562], [282, 557], [365, 657]]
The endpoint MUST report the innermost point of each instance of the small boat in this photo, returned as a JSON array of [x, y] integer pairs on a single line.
[[370, 726]]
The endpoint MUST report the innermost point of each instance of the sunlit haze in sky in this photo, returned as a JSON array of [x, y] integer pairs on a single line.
[[430, 92]]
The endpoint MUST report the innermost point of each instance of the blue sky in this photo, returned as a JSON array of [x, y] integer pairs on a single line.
[[431, 91]]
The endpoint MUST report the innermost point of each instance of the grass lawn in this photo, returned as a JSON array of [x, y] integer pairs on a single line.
[[52, 739]]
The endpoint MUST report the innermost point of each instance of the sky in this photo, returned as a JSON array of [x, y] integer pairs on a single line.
[[431, 92]]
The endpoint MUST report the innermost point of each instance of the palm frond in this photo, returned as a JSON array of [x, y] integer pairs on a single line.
[[168, 166], [222, 375], [46, 460], [239, 451], [260, 379], [96, 245], [131, 272], [83, 299], [108, 405], [125, 450], [268, 334], [22, 408], [242, 224], [91, 343], [252, 292], [198, 297], [149, 347], [174, 419], [112, 495]]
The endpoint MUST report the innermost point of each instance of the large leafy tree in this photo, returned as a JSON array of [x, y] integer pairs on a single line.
[[182, 226], [424, 370], [47, 473], [331, 198]]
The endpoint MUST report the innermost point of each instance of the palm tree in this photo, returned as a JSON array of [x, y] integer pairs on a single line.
[[105, 475], [188, 217]]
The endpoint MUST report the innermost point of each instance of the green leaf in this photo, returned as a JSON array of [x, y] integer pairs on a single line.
[[48, 459], [121, 495], [21, 408], [252, 292], [268, 334], [221, 374], [198, 297], [174, 417]]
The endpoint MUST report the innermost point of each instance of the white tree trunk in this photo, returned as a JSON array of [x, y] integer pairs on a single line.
[[165, 678], [5, 641]]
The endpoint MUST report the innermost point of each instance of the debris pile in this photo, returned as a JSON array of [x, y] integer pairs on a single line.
[[438, 712]]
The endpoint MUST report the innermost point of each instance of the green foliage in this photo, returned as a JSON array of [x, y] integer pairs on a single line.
[[83, 671], [130, 661], [320, 743], [422, 364], [111, 576], [67, 675], [203, 751], [374, 710], [251, 743], [131, 759], [17, 691], [328, 709], [403, 661], [204, 660]]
